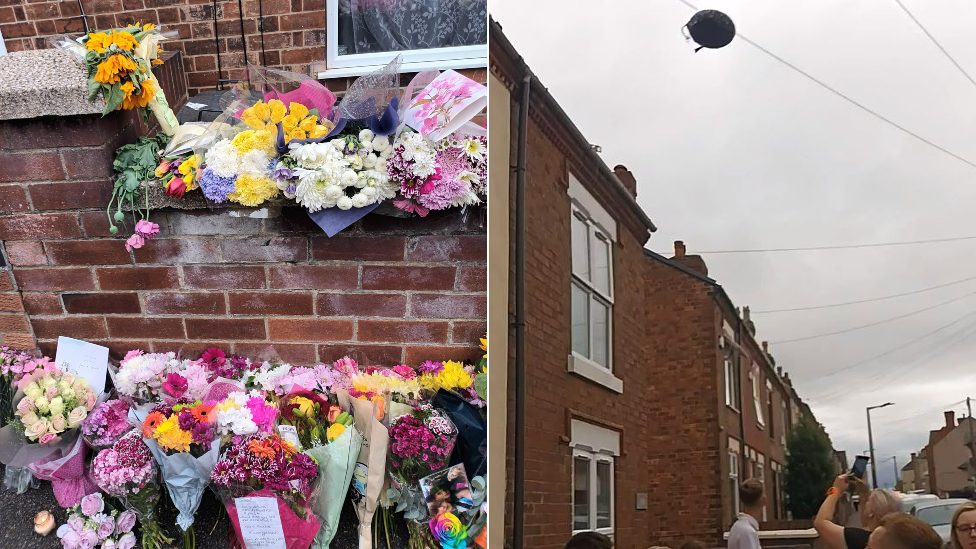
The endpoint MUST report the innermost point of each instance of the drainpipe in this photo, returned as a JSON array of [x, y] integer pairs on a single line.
[[518, 523]]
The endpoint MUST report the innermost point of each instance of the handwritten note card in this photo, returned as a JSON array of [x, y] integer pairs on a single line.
[[289, 433], [260, 523], [83, 359]]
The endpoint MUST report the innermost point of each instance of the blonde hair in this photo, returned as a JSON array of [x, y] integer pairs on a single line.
[[965, 507], [880, 503]]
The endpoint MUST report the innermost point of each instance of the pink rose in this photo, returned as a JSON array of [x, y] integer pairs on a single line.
[[89, 539], [48, 437], [76, 523], [92, 504], [52, 392], [71, 540], [58, 423], [36, 429], [106, 525], [125, 522], [25, 406], [127, 541], [90, 403]]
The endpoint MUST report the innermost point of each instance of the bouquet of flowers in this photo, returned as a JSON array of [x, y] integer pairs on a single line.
[[178, 173], [183, 440], [14, 365], [237, 169], [140, 377], [106, 424], [265, 465], [127, 471], [94, 523], [315, 420], [421, 443]]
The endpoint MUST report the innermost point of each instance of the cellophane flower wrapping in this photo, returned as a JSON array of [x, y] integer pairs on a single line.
[[264, 465], [368, 416], [139, 377], [128, 472]]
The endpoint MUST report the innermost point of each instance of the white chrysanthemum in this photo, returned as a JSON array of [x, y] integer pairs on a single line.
[[359, 200], [424, 165], [474, 148], [333, 192], [222, 159], [366, 135], [469, 177], [386, 153], [381, 143], [338, 144], [344, 203], [355, 162], [349, 177], [381, 163], [369, 161], [369, 192], [255, 164], [468, 198], [316, 155]]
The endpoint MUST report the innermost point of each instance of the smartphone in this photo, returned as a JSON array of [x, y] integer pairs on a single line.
[[860, 466]]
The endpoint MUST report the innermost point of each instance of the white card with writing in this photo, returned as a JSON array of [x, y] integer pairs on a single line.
[[289, 433], [260, 523], [83, 359]]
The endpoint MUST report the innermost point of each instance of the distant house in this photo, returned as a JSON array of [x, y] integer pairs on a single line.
[[915, 474], [948, 457]]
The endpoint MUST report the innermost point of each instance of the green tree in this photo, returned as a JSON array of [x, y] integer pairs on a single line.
[[809, 468]]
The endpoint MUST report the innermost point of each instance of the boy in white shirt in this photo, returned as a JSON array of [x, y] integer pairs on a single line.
[[745, 532]]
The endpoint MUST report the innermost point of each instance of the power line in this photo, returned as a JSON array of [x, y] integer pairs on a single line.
[[845, 97], [934, 41], [870, 300], [837, 247], [878, 323]]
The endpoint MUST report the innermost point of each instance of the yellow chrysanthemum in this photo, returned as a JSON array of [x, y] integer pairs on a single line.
[[250, 140], [98, 42], [454, 376], [114, 69], [334, 431], [252, 191], [175, 439]]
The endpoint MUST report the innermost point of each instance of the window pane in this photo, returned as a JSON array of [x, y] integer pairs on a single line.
[[601, 332], [581, 248], [600, 250], [399, 25], [581, 493], [603, 483], [581, 321]]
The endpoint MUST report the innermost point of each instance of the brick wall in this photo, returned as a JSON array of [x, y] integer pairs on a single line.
[[293, 33], [389, 289]]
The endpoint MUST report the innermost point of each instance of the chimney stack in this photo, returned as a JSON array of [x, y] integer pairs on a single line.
[[914, 455], [779, 370], [627, 178], [693, 262], [950, 419], [765, 346], [679, 249], [750, 325]]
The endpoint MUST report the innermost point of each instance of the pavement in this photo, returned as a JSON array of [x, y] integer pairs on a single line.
[[17, 524]]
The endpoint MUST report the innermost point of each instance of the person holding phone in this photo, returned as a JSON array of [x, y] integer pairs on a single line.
[[875, 504]]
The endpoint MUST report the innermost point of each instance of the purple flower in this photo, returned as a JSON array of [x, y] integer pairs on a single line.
[[92, 504], [432, 368], [216, 188], [125, 522], [106, 525], [283, 173]]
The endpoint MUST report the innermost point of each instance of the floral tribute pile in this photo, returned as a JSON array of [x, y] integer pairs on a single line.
[[306, 439]]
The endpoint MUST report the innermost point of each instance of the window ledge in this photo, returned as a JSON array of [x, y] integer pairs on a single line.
[[592, 371], [417, 66]]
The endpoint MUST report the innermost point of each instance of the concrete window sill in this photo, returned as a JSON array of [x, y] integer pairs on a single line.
[[592, 371]]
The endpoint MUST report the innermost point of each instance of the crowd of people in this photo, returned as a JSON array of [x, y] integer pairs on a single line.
[[883, 524]]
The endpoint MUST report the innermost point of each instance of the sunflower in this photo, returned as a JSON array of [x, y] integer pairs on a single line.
[[114, 68], [124, 40], [148, 26], [98, 42], [151, 423], [159, 51]]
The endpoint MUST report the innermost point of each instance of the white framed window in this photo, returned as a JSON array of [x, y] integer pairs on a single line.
[[757, 395], [364, 35], [592, 234], [769, 410], [734, 479], [760, 473], [733, 396], [594, 449], [783, 422]]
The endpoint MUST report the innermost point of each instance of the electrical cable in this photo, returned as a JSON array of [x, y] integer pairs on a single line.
[[845, 97], [882, 422], [856, 302], [835, 247], [872, 324], [934, 41]]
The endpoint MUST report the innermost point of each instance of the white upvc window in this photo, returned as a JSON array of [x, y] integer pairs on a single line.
[[364, 35], [757, 395], [760, 474], [783, 422], [594, 449], [734, 479], [733, 398], [591, 300]]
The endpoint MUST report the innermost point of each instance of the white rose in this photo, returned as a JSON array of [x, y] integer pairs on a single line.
[[63, 384], [47, 381], [68, 393], [42, 404], [366, 135], [34, 391], [344, 203], [56, 406], [359, 200]]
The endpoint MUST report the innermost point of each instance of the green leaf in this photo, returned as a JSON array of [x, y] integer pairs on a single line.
[[314, 112], [114, 98], [481, 385], [93, 89], [131, 180]]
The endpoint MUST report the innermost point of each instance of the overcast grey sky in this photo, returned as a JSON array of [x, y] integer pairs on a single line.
[[732, 150]]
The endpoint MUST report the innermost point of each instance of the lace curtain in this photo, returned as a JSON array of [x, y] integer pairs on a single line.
[[367, 26]]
